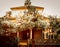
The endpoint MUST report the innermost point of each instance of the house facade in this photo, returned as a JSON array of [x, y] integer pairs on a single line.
[[29, 22]]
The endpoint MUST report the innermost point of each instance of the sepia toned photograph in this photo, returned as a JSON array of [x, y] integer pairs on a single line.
[[29, 23]]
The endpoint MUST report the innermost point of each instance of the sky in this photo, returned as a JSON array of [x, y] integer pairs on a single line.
[[51, 7]]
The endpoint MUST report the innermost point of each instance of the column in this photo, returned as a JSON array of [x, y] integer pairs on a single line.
[[50, 31], [30, 33], [18, 35], [50, 36], [53, 35], [44, 35]]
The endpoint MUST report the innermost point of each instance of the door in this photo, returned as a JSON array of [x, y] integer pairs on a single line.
[[25, 34]]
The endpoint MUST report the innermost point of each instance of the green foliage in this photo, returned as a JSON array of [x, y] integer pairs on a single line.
[[54, 24]]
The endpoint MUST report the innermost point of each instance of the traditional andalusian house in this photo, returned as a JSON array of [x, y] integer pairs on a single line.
[[28, 23]]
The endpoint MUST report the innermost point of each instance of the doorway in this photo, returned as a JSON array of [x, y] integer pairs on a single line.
[[25, 34]]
